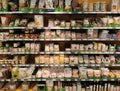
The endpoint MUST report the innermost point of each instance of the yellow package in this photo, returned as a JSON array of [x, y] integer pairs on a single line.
[[56, 59], [15, 72], [61, 61], [32, 3]]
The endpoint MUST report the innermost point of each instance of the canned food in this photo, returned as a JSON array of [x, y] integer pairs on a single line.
[[97, 6], [91, 7], [103, 6]]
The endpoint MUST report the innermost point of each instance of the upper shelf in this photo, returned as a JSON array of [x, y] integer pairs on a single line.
[[59, 28], [19, 12]]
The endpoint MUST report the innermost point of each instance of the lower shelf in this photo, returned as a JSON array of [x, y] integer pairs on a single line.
[[60, 79]]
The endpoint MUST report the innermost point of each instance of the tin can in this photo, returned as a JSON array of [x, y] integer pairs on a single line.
[[85, 5], [97, 6], [91, 7], [103, 6]]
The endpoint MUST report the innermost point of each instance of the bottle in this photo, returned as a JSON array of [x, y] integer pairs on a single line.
[[74, 87], [78, 87]]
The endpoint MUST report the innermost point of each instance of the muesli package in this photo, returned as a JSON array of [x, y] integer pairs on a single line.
[[42, 59], [39, 73], [98, 59], [68, 72], [97, 73], [81, 60], [75, 73], [53, 72], [49, 4], [105, 72], [68, 4], [86, 58], [41, 4], [83, 72], [45, 73], [39, 20], [92, 59], [90, 73]]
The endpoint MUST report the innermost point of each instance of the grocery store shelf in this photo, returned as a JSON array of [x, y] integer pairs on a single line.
[[58, 39], [60, 79], [19, 12], [59, 28], [63, 65], [59, 53]]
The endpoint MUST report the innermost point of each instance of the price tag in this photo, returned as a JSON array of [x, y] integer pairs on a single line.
[[62, 79], [112, 79], [68, 79], [76, 79], [82, 79], [38, 79], [33, 79], [104, 79]]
